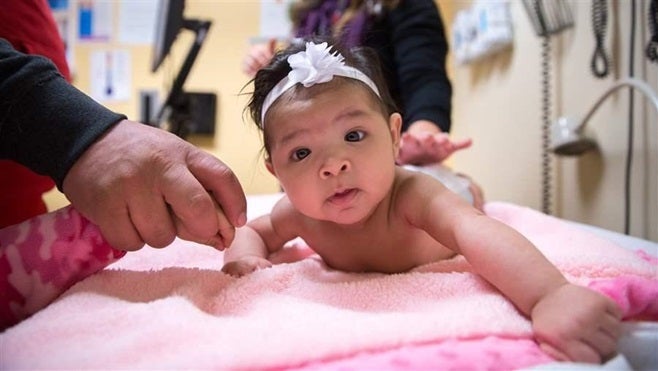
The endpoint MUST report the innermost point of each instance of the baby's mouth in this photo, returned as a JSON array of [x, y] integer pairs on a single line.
[[343, 196]]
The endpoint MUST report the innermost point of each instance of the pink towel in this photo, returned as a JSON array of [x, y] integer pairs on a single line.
[[173, 308]]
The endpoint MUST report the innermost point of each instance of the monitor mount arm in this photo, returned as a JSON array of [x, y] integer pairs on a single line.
[[174, 113]]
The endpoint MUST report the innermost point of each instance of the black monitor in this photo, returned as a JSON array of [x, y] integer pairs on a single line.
[[174, 114], [168, 23]]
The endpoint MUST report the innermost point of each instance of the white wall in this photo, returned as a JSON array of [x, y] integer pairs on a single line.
[[498, 103]]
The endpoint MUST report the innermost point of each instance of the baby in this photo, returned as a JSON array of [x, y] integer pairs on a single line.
[[331, 136]]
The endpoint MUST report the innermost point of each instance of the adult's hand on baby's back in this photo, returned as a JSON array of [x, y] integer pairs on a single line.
[[576, 324], [143, 185], [425, 148], [258, 56]]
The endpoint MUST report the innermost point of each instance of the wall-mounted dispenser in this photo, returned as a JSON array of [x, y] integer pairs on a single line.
[[482, 30]]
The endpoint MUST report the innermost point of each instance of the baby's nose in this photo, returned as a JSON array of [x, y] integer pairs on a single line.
[[334, 167]]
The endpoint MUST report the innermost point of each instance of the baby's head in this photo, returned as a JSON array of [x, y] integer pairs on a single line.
[[330, 130], [361, 63]]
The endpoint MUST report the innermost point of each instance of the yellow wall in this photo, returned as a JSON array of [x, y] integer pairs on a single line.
[[217, 69]]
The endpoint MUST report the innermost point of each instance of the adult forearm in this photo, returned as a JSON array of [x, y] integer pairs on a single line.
[[45, 123]]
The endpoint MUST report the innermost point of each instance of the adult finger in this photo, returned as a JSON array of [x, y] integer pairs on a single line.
[[224, 186], [271, 45], [219, 241], [226, 230], [461, 144], [151, 218], [189, 202], [118, 229]]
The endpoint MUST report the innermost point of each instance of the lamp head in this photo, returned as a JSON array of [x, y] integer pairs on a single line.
[[567, 138]]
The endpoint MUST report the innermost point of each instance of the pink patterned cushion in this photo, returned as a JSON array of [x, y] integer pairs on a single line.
[[43, 256]]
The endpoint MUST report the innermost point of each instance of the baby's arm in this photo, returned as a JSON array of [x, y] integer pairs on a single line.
[[258, 239], [248, 252], [570, 322]]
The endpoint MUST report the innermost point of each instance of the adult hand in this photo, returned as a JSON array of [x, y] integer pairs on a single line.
[[258, 56], [425, 148], [423, 144], [141, 184]]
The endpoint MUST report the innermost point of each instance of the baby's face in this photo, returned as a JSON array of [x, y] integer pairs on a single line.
[[333, 153]]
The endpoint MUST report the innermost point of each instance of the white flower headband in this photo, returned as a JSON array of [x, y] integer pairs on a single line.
[[315, 65]]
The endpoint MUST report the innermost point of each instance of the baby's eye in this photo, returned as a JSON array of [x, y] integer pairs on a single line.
[[355, 136], [300, 154]]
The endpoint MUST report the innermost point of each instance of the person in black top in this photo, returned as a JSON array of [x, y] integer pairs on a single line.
[[139, 184], [411, 44], [410, 41]]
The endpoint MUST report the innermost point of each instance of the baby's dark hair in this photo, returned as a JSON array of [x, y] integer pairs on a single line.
[[362, 58]]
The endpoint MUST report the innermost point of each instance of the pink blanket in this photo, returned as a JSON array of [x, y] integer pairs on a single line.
[[173, 308]]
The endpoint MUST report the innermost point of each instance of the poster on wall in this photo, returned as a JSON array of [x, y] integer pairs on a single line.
[[137, 21], [64, 20], [94, 20], [274, 21], [111, 75]]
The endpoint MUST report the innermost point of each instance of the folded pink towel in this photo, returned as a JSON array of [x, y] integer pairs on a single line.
[[173, 308]]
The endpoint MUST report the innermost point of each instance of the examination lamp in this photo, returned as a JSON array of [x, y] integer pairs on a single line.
[[568, 138]]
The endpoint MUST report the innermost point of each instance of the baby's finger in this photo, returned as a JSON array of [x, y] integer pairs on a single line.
[[615, 310], [603, 343], [611, 324], [553, 352], [580, 351]]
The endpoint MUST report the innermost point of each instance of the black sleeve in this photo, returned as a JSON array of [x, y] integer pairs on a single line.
[[45, 123], [420, 50]]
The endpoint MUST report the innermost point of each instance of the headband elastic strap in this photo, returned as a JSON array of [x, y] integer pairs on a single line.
[[315, 65]]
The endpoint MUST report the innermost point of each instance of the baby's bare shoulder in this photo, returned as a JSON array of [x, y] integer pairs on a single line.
[[412, 187]]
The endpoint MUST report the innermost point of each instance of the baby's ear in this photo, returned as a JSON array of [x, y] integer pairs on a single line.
[[395, 126], [268, 165]]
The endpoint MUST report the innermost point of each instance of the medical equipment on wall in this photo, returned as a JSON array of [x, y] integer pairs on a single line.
[[567, 133], [481, 30], [600, 63], [568, 137], [548, 17], [652, 46]]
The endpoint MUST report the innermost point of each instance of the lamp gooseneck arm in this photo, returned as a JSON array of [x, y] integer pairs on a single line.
[[621, 83]]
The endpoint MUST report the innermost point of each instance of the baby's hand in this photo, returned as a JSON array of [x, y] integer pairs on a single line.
[[245, 265], [573, 323]]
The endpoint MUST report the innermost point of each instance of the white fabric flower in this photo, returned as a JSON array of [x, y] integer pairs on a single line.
[[315, 65]]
